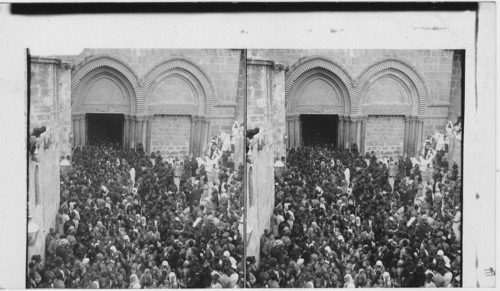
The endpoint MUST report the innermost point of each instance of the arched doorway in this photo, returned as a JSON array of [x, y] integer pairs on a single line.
[[104, 94], [178, 103], [317, 96], [393, 101]]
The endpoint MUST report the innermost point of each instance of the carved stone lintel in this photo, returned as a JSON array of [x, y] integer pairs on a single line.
[[318, 109], [105, 108], [175, 109], [141, 118], [386, 109]]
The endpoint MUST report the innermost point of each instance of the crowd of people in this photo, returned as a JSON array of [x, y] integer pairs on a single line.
[[342, 219], [131, 220]]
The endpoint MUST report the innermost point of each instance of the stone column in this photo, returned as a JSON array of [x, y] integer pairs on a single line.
[[138, 130], [297, 130], [145, 120], [144, 130], [197, 137], [83, 129], [291, 131], [363, 134], [340, 133], [205, 133], [412, 139], [149, 126], [359, 121], [406, 135], [347, 132], [126, 121], [353, 126], [132, 132], [192, 130], [418, 134], [76, 126]]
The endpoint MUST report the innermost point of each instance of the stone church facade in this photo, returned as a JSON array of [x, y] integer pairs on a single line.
[[386, 101], [172, 101]]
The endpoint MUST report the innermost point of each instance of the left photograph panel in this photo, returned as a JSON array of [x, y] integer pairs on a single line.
[[136, 169]]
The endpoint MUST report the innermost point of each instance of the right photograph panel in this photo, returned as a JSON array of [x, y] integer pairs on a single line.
[[354, 166]]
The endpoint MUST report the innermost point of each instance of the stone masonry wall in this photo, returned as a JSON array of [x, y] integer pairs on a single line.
[[456, 86], [64, 95], [278, 112], [170, 135], [260, 114], [44, 110], [385, 135], [222, 65], [433, 65], [440, 71]]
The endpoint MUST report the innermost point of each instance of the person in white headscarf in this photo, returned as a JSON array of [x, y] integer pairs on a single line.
[[348, 281], [134, 282], [387, 280], [132, 175], [347, 174], [172, 284]]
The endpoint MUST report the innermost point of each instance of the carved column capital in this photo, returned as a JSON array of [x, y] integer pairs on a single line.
[[80, 116], [279, 67], [196, 118], [356, 118], [141, 118]]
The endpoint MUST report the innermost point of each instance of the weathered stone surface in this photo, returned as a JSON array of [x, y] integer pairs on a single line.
[[170, 135], [265, 109], [49, 108], [434, 66], [385, 135]]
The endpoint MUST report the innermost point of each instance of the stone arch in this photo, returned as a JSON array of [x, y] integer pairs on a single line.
[[402, 72], [311, 68], [115, 70], [190, 72]]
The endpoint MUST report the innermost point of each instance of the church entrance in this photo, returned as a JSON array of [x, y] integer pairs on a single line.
[[105, 128], [319, 129]]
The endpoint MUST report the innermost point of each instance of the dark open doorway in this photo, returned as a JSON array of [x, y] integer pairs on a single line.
[[105, 128], [319, 129]]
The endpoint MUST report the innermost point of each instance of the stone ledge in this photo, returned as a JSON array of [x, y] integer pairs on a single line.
[[226, 104], [439, 104]]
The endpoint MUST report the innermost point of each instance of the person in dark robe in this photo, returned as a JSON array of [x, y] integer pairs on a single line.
[[408, 165]]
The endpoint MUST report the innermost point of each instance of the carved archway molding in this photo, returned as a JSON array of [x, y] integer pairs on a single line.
[[184, 64], [352, 127], [109, 61], [397, 65], [315, 62], [355, 86]]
